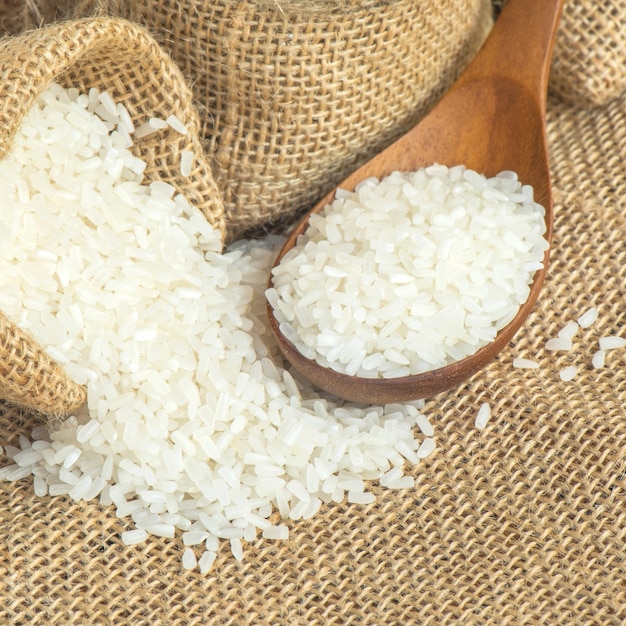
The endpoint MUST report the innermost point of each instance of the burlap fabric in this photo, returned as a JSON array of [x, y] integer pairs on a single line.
[[591, 52], [294, 94], [522, 523], [121, 57], [589, 65]]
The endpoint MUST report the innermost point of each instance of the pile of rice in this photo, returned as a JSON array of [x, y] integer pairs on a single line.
[[193, 426], [410, 273]]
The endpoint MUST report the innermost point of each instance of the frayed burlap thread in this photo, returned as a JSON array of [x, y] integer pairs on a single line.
[[518, 525], [294, 95], [121, 57]]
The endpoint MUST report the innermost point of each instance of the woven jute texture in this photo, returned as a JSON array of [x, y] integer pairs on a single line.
[[589, 64], [294, 94], [121, 57], [591, 51], [522, 523]]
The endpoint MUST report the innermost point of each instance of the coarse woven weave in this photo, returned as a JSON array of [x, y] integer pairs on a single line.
[[589, 63], [520, 524], [121, 57], [295, 94]]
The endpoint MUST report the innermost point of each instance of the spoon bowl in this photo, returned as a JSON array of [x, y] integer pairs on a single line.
[[492, 119]]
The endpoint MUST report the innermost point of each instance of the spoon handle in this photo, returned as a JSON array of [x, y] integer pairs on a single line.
[[520, 46]]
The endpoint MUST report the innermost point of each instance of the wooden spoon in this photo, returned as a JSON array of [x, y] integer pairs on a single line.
[[492, 119]]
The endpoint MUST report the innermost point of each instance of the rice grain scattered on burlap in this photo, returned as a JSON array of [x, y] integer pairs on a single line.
[[520, 524], [121, 57]]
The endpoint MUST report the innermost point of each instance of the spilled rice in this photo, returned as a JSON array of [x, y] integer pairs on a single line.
[[193, 428]]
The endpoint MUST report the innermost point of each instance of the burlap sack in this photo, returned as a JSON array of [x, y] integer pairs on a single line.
[[522, 524], [589, 64], [121, 57], [294, 94]]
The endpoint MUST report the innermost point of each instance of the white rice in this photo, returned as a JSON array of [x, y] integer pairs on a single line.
[[276, 532], [193, 426], [611, 342], [189, 559], [206, 561], [236, 548], [483, 415], [393, 476], [568, 373], [125, 120], [132, 537], [158, 124], [360, 497], [144, 130], [186, 162], [568, 331], [410, 273], [425, 426], [588, 318], [176, 124], [598, 359], [426, 448], [559, 343], [564, 342], [153, 125], [521, 363]]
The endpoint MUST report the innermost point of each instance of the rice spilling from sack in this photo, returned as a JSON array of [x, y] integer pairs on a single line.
[[193, 426], [410, 273]]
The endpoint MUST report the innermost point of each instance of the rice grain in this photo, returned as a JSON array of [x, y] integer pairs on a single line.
[[521, 363], [598, 359], [568, 373], [483, 416], [588, 318], [611, 342]]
